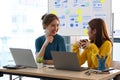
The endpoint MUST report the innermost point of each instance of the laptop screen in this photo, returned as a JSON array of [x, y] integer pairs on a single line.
[[65, 60], [23, 57]]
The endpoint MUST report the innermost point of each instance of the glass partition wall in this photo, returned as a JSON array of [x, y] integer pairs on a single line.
[[20, 25]]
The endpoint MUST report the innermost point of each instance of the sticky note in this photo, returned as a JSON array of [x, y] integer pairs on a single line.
[[54, 12], [85, 32], [79, 11], [79, 18], [102, 1], [67, 11]]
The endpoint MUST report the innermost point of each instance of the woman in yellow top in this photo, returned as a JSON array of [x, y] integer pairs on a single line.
[[99, 43]]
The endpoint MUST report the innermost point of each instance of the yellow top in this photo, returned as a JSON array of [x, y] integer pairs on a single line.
[[89, 54]]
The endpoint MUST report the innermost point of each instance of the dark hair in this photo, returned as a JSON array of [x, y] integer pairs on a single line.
[[101, 31], [47, 19]]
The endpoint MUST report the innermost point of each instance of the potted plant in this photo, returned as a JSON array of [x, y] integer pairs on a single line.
[[40, 62]]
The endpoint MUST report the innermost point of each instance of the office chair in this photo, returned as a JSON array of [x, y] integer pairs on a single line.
[[116, 65]]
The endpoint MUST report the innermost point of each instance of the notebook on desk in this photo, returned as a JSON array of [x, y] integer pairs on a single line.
[[23, 57], [66, 61]]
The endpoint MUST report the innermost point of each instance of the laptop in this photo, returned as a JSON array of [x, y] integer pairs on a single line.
[[23, 57], [66, 61]]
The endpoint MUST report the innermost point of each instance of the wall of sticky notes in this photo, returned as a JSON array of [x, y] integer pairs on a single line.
[[74, 15]]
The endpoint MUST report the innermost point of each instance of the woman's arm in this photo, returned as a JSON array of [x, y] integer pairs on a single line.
[[81, 56], [42, 50], [41, 53]]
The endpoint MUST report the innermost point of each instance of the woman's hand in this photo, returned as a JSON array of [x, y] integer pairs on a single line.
[[78, 44], [84, 43], [49, 39], [49, 62]]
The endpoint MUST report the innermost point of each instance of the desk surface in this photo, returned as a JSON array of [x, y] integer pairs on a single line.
[[64, 74]]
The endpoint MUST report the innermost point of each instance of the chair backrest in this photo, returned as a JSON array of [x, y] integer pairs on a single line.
[[115, 64]]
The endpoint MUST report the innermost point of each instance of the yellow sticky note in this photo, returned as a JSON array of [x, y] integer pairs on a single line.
[[85, 32], [54, 12], [79, 18], [102, 1], [79, 11]]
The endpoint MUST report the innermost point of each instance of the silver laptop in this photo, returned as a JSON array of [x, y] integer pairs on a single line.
[[23, 57], [66, 61]]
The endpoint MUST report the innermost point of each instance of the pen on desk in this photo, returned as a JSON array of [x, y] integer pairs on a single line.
[[108, 70]]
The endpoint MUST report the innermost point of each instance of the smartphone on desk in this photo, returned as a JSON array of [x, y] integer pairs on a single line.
[[49, 66], [13, 66]]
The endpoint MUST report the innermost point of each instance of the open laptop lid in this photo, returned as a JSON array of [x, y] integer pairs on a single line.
[[65, 60], [23, 57]]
